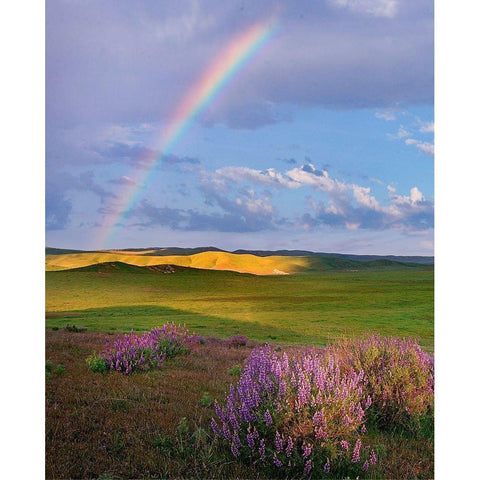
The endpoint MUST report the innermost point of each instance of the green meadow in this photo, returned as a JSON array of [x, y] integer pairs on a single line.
[[314, 308]]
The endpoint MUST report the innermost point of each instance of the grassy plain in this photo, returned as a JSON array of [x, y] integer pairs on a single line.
[[314, 308]]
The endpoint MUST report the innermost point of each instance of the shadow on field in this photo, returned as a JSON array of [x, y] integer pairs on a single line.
[[145, 317]]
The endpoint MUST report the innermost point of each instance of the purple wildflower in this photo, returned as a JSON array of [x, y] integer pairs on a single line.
[[251, 440], [307, 450], [215, 428], [308, 467], [268, 418], [276, 461], [289, 447], [236, 439], [365, 466], [278, 442], [234, 450], [373, 458], [356, 451], [261, 449]]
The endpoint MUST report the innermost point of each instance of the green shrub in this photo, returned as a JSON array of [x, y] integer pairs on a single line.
[[96, 363], [206, 401], [236, 370], [74, 328], [398, 376], [48, 366], [61, 369]]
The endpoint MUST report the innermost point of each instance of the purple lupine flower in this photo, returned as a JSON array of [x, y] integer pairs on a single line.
[[356, 451], [236, 439], [345, 445], [308, 468], [234, 450], [276, 461], [365, 466], [251, 440], [373, 458], [326, 467], [226, 432], [307, 450], [215, 428], [363, 430], [261, 449], [268, 418], [289, 447], [278, 442]]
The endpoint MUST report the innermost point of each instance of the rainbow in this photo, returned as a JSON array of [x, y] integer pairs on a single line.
[[215, 77]]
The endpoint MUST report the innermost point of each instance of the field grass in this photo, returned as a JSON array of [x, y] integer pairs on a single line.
[[314, 308], [156, 424]]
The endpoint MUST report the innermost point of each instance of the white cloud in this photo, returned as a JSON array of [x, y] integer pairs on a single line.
[[424, 147], [269, 177], [377, 8], [347, 205], [363, 197], [387, 115], [415, 197], [255, 205], [427, 127]]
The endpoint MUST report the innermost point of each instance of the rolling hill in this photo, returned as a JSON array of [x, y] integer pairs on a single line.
[[220, 260]]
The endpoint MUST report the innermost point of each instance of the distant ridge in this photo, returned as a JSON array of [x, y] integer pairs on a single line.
[[360, 258], [61, 251], [181, 251], [167, 251]]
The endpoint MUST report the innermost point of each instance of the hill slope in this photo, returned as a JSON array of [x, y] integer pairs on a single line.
[[218, 260]]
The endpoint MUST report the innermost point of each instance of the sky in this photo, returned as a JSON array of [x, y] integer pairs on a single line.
[[241, 125]]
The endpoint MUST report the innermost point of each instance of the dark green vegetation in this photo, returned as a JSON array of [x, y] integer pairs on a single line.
[[388, 298]]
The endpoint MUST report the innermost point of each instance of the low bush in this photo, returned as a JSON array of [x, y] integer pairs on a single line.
[[132, 352], [206, 401], [236, 371], [397, 375], [298, 415], [48, 365], [74, 328], [96, 363], [237, 341], [61, 369]]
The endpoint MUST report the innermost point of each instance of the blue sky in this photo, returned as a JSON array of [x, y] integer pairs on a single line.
[[323, 141]]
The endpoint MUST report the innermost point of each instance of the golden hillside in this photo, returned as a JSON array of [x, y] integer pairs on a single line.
[[274, 265]]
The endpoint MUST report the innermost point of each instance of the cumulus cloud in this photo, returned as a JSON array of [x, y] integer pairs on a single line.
[[230, 192], [349, 205], [427, 127], [424, 147]]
